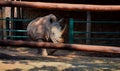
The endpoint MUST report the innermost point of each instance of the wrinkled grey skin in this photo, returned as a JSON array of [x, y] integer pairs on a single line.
[[44, 29]]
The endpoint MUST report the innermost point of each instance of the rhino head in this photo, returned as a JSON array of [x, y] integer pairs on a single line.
[[57, 32], [54, 29]]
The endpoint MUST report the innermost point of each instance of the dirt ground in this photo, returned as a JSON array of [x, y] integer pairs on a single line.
[[25, 59]]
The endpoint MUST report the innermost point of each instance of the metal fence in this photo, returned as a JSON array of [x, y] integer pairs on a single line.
[[13, 28], [88, 34], [13, 31]]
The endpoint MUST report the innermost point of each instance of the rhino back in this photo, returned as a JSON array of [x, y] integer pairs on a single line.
[[35, 28]]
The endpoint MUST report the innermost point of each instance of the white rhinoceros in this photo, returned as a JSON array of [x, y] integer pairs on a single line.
[[44, 29]]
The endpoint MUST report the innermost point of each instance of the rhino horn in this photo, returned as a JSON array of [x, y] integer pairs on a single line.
[[63, 29], [60, 20]]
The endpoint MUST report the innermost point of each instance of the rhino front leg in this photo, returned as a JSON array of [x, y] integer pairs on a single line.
[[42, 51]]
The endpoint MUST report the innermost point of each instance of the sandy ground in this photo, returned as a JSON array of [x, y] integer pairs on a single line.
[[24, 59]]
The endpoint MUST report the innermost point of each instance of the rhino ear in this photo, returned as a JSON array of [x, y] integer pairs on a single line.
[[51, 20]]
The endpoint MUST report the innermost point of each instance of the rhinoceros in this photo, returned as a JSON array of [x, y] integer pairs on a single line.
[[43, 29]]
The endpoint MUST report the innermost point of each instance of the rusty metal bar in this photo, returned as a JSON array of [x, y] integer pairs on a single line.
[[61, 6], [47, 45]]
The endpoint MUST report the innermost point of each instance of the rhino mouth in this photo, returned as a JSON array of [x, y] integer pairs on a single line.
[[60, 40], [57, 40]]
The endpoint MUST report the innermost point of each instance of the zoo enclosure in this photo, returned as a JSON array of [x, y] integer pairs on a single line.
[[75, 7], [70, 7]]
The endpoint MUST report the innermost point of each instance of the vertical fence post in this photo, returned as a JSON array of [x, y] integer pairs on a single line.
[[88, 27], [7, 27], [12, 21], [71, 30]]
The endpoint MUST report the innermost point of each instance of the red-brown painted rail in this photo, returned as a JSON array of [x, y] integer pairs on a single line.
[[61, 6], [47, 45]]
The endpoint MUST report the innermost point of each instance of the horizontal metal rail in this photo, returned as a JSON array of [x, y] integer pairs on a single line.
[[9, 19], [76, 32], [13, 30], [97, 22], [16, 36], [97, 38], [78, 47], [60, 6]]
